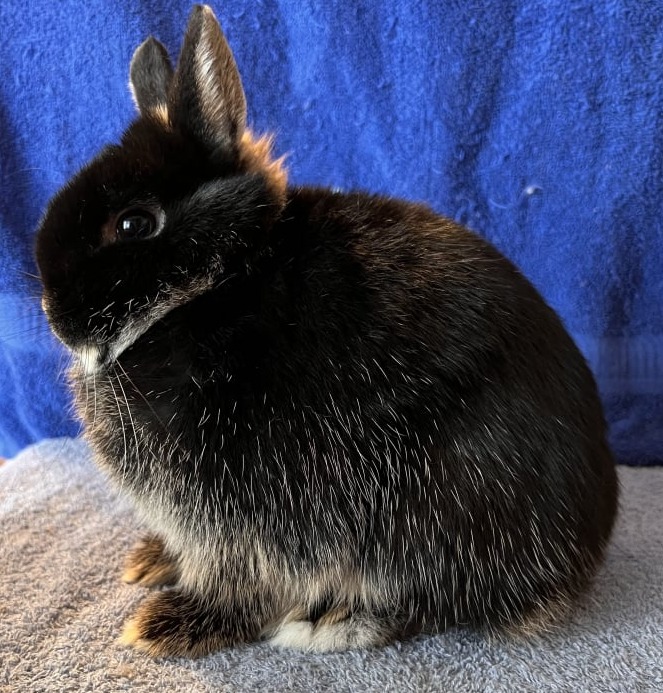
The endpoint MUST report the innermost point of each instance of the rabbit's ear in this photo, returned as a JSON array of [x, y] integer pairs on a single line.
[[207, 99], [150, 75]]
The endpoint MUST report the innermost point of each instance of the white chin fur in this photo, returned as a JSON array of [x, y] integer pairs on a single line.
[[90, 358], [94, 358]]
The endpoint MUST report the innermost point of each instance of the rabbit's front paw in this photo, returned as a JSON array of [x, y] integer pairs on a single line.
[[150, 565], [171, 623]]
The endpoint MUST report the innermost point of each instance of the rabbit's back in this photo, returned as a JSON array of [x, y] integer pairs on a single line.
[[468, 410]]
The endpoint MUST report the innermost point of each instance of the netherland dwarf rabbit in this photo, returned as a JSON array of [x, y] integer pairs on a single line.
[[344, 418]]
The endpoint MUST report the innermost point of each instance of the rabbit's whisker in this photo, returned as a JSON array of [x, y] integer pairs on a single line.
[[125, 459]]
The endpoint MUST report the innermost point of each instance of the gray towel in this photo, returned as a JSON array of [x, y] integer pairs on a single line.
[[62, 606]]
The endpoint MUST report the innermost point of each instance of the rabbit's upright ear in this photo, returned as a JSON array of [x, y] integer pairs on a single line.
[[207, 99], [150, 75]]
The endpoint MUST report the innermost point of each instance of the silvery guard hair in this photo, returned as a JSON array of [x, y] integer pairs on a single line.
[[343, 418]]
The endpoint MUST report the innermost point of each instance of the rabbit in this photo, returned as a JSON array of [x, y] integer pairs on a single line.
[[343, 419]]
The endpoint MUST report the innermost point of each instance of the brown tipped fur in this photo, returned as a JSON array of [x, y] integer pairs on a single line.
[[162, 627], [333, 616], [148, 564], [544, 618], [256, 157]]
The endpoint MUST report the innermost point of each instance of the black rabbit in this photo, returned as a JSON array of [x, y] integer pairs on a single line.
[[344, 418]]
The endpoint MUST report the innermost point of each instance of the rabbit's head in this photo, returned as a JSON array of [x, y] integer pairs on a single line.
[[183, 203]]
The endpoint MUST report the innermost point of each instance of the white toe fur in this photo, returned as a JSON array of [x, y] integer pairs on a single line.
[[334, 637], [297, 635]]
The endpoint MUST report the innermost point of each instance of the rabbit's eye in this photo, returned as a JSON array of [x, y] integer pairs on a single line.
[[135, 224]]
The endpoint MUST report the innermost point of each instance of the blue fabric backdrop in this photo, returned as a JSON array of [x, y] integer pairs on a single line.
[[539, 125]]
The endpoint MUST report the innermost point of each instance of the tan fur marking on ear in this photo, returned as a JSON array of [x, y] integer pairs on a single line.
[[161, 114], [256, 156]]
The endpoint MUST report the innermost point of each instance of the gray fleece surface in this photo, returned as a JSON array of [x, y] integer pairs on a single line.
[[62, 606]]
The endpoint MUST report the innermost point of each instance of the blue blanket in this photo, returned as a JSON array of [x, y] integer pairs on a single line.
[[539, 125]]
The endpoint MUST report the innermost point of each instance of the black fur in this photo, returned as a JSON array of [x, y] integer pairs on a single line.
[[366, 406], [151, 74]]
